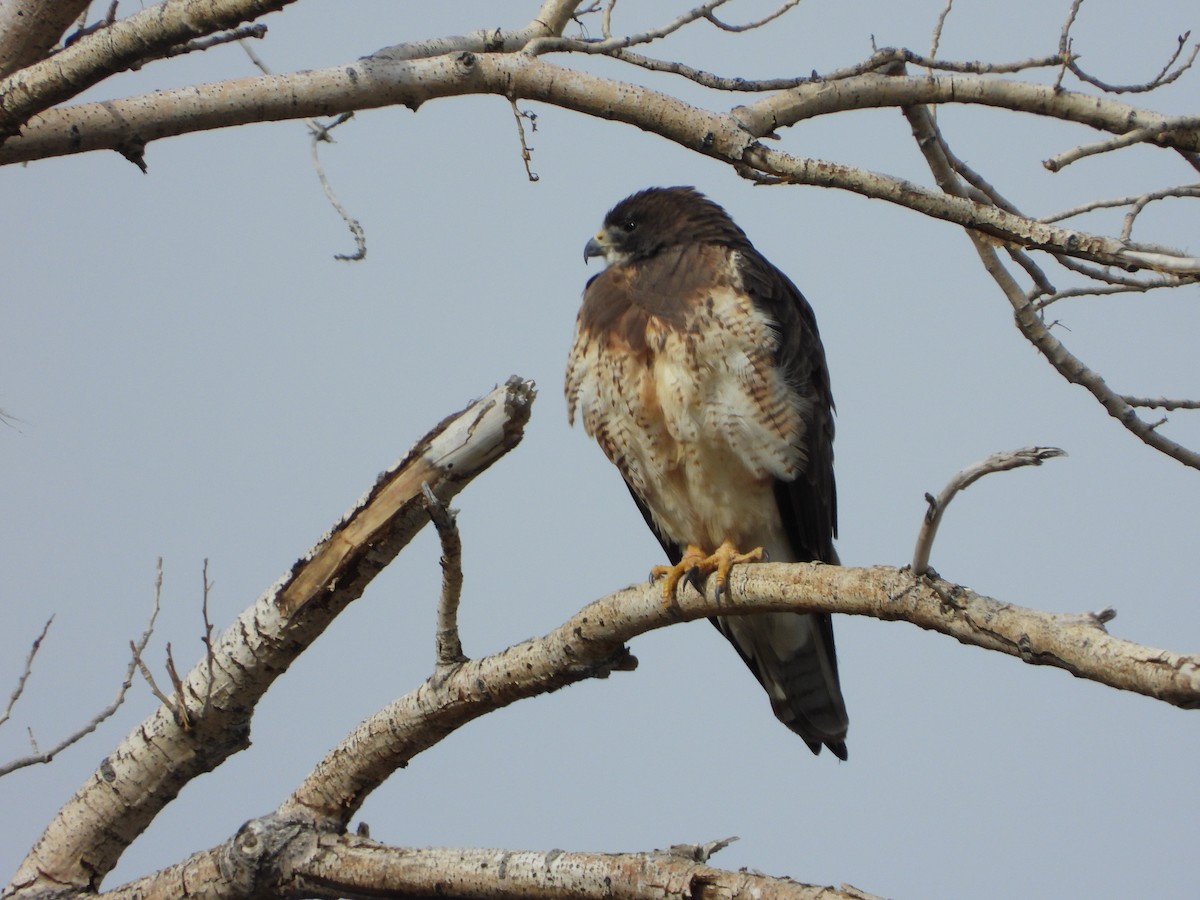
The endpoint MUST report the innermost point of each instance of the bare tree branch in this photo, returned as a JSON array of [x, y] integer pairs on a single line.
[[757, 23], [997, 462], [29, 30], [936, 38], [83, 842], [1027, 315], [145, 35], [327, 91], [1161, 403], [449, 651], [1164, 77], [45, 756], [318, 134], [26, 671], [591, 644], [296, 859]]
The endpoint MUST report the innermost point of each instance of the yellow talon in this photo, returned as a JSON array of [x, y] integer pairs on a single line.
[[695, 560]]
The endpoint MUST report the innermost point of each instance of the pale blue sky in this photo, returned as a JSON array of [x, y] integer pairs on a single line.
[[196, 377]]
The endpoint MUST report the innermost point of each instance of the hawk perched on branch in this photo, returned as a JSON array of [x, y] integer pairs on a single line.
[[698, 368]]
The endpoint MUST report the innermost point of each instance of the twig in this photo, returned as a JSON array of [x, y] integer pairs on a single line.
[[181, 711], [149, 678], [997, 462], [606, 19], [45, 756], [1150, 134], [878, 60], [321, 133], [1064, 43], [556, 44], [526, 150], [1141, 200], [448, 642], [318, 132], [1164, 77], [1042, 299], [207, 639], [26, 671], [750, 26], [256, 30], [82, 32], [1160, 402], [936, 39]]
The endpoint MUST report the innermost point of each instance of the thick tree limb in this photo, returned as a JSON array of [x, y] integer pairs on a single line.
[[370, 82], [311, 823], [159, 757], [591, 644], [143, 36], [29, 28], [279, 858]]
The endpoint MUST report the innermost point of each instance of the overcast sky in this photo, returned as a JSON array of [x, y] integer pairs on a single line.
[[193, 376]]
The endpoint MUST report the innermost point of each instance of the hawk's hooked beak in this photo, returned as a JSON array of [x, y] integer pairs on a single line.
[[594, 247]]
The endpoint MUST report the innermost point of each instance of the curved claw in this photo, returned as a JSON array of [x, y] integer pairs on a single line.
[[696, 564]]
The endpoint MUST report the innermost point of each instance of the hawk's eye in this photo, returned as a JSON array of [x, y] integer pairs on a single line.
[[629, 226]]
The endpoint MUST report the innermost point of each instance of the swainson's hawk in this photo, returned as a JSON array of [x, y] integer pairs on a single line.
[[698, 368]]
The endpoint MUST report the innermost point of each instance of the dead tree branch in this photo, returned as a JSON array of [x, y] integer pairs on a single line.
[[997, 462], [45, 756], [448, 648], [296, 859], [83, 842]]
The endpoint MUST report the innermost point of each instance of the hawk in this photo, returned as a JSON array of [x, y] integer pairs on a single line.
[[698, 368]]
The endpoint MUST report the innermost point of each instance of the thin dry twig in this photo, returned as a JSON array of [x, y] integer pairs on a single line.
[[207, 638], [1164, 77], [449, 643], [880, 59], [83, 30], [180, 704], [526, 150], [997, 462], [1151, 134], [26, 671], [1160, 402], [1064, 43], [758, 23], [936, 39], [1042, 298], [320, 133], [254, 31], [1139, 200], [45, 756], [608, 44]]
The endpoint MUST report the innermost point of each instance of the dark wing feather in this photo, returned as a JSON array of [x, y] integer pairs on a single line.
[[808, 504], [813, 706]]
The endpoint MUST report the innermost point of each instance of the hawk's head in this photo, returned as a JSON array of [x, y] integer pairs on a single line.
[[645, 223]]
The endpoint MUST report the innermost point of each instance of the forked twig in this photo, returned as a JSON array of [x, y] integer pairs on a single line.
[[997, 462], [45, 756]]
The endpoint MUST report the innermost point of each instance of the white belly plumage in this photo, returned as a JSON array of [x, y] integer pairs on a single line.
[[703, 431]]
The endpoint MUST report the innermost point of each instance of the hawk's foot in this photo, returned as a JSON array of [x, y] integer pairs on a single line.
[[695, 563]]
